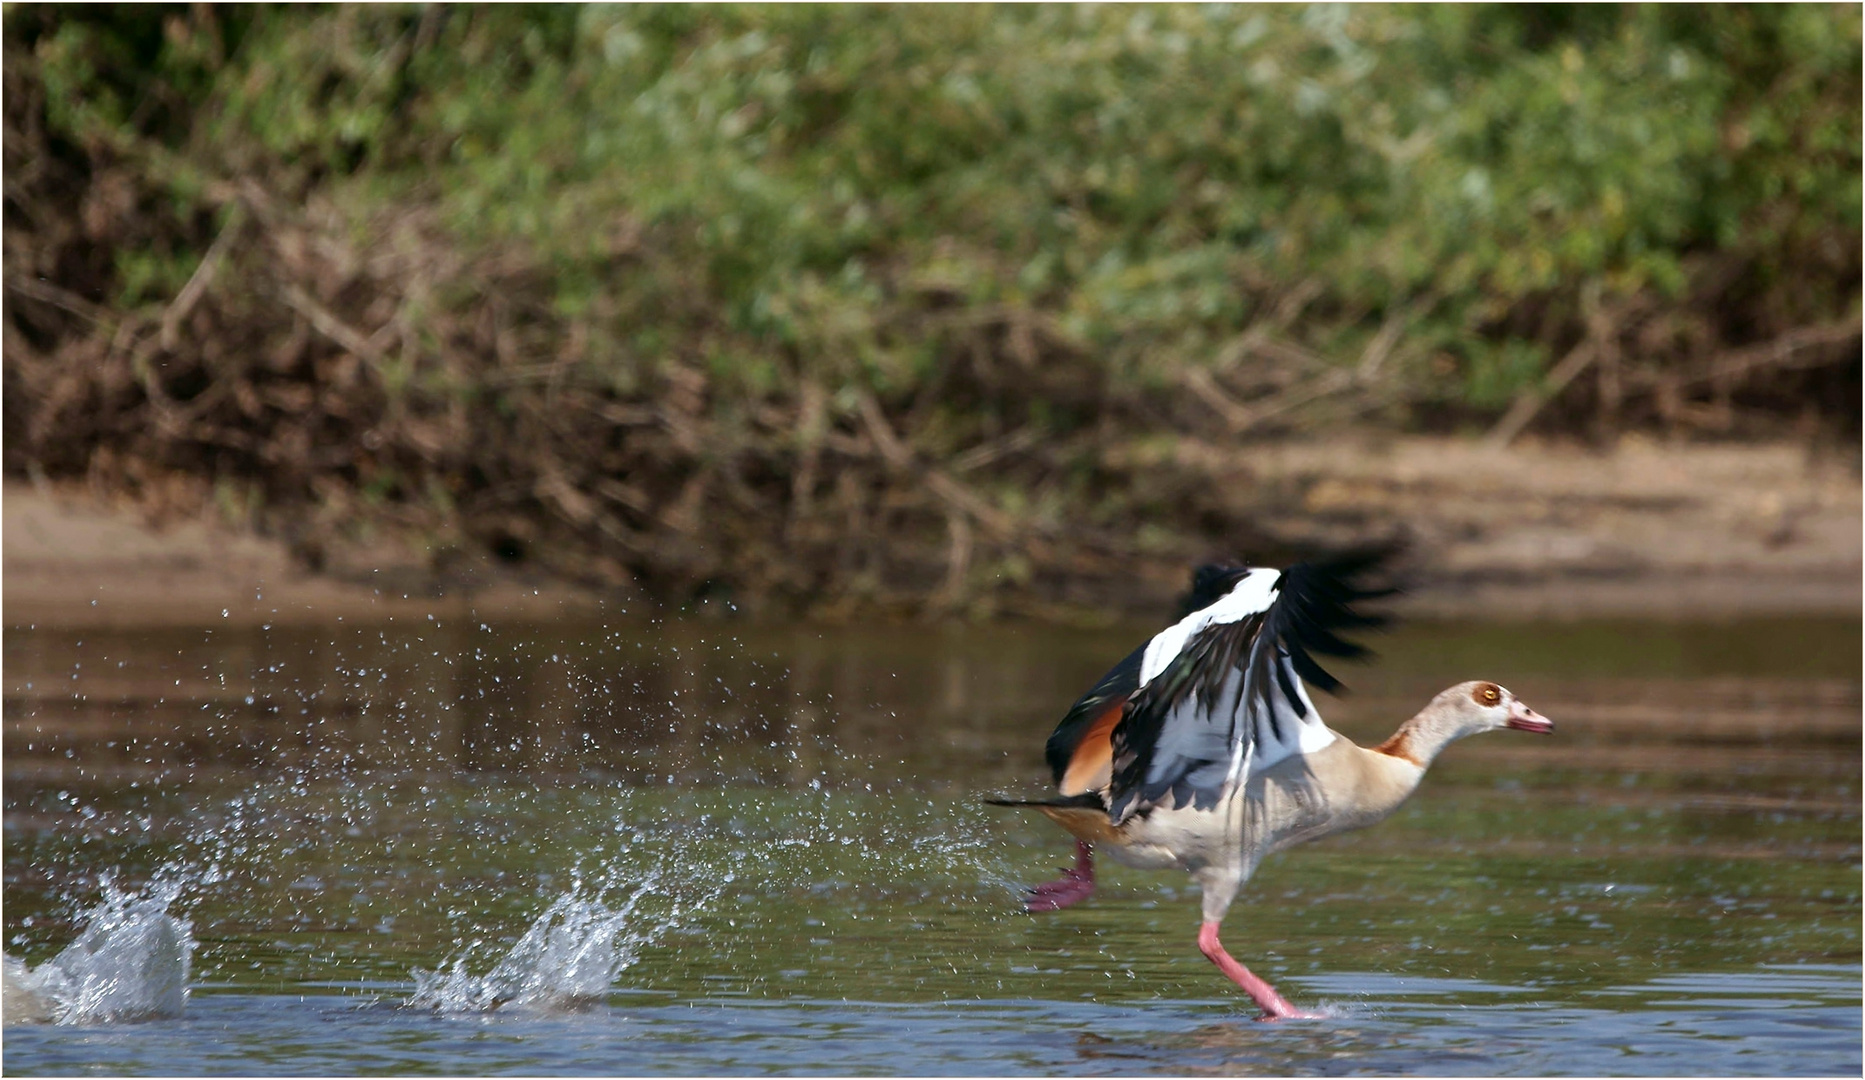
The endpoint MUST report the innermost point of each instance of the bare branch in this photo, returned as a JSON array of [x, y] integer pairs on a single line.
[[46, 292], [1784, 352], [1530, 401], [328, 324], [901, 459], [203, 276]]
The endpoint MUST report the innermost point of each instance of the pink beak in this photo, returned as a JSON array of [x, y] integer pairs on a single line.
[[1523, 718]]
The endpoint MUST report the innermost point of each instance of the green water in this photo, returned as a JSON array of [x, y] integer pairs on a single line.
[[1676, 869]]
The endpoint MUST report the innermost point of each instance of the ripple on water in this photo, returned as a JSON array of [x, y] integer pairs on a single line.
[[358, 806], [1817, 1034]]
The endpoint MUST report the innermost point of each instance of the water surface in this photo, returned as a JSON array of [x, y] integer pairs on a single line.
[[777, 833]]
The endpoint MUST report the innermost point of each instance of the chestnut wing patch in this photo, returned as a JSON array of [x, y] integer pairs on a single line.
[[1082, 742], [1091, 767]]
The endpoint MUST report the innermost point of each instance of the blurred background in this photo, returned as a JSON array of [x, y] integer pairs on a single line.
[[538, 508], [951, 310]]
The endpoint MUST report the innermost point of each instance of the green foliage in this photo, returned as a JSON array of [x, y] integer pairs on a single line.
[[1048, 216], [1139, 171]]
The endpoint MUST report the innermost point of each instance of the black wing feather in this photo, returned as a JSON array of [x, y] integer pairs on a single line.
[[1163, 759], [1210, 584], [1317, 599], [1163, 756]]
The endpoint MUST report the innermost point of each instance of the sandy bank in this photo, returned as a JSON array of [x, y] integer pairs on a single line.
[[1528, 532], [1539, 530], [68, 559]]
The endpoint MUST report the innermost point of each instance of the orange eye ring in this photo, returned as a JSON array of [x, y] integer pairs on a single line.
[[1489, 693]]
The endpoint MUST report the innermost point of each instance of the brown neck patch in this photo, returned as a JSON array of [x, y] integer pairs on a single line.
[[1399, 746]]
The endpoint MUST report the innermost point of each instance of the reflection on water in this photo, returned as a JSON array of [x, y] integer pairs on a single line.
[[769, 822]]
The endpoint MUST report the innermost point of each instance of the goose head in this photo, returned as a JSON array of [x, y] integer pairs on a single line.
[[1474, 707], [1465, 709]]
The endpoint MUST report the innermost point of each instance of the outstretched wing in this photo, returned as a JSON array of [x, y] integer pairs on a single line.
[[1080, 751], [1220, 692]]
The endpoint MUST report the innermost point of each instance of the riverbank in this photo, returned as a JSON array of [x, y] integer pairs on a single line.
[[1531, 531], [521, 295]]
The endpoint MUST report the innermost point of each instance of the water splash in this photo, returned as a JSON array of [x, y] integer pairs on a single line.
[[567, 959], [20, 1000], [130, 963]]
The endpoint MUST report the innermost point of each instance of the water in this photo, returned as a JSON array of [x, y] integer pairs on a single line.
[[130, 963], [1808, 1022], [568, 959], [463, 846]]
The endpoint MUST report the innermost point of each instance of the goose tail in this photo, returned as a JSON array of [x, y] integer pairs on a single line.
[[1085, 801]]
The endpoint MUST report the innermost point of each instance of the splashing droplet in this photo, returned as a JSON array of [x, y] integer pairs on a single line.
[[130, 963]]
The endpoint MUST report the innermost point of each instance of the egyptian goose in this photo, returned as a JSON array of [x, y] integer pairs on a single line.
[[1201, 750]]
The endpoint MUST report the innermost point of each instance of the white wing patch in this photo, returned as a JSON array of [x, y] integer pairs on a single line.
[[1248, 597], [1217, 698], [1300, 734], [1254, 746]]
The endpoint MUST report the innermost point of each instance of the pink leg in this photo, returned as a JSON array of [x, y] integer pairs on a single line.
[[1073, 886], [1274, 1005]]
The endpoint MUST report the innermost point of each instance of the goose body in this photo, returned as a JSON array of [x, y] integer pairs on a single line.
[[1202, 751]]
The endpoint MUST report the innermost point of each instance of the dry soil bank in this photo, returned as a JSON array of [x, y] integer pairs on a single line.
[[1533, 531]]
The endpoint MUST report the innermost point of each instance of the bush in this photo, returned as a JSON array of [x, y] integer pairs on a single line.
[[869, 302]]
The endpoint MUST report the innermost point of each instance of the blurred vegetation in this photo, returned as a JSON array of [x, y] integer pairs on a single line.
[[847, 305]]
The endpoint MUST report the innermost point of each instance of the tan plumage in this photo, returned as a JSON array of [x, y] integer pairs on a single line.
[[1219, 759]]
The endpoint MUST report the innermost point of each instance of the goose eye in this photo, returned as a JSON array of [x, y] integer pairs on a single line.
[[1489, 693]]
